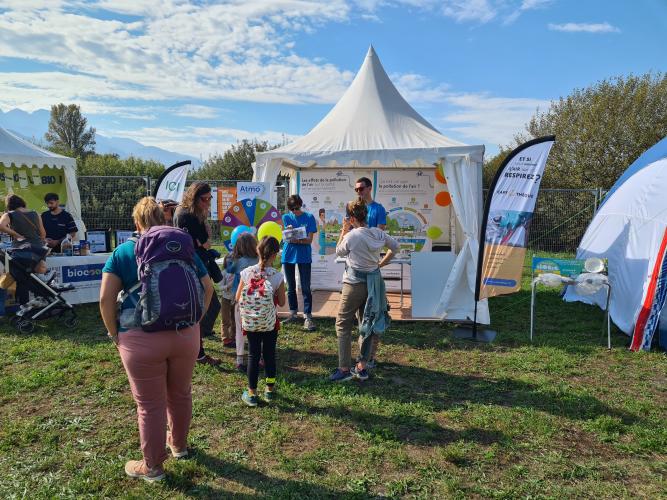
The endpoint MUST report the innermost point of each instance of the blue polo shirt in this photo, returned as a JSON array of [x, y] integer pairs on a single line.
[[297, 253], [376, 214]]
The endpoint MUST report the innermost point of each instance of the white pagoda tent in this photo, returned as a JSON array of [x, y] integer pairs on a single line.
[[373, 127], [17, 152]]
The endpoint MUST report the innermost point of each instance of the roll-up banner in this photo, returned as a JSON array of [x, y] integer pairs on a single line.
[[171, 184], [508, 214]]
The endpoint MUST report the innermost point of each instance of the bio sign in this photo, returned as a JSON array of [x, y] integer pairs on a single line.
[[31, 184], [86, 272]]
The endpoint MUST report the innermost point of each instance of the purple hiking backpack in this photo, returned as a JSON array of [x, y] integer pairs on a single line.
[[171, 296]]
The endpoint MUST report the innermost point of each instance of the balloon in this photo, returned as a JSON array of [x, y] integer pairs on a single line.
[[434, 232], [239, 230], [270, 228]]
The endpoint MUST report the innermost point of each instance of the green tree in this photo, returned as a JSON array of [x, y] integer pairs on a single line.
[[233, 164], [67, 132], [599, 131], [111, 164]]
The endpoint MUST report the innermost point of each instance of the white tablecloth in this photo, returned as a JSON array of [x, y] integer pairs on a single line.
[[84, 272]]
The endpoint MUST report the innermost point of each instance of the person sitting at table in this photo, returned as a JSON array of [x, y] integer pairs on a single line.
[[57, 222]]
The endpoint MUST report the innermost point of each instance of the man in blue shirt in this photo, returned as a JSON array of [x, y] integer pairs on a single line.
[[58, 223], [377, 215]]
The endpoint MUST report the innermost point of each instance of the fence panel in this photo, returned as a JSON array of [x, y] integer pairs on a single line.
[[107, 202], [560, 220]]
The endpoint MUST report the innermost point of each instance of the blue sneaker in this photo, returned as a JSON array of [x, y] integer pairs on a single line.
[[359, 374], [371, 364], [248, 399], [340, 376]]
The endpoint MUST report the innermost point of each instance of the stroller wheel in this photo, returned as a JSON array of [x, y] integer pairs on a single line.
[[26, 326], [71, 321], [14, 321]]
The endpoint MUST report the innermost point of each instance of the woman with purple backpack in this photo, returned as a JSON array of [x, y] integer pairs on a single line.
[[159, 364]]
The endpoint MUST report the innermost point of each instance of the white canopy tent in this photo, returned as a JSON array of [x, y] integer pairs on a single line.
[[17, 152], [373, 127]]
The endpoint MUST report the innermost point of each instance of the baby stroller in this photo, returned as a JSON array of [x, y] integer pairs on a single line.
[[46, 301]]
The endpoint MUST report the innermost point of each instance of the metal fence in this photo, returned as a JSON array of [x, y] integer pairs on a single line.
[[107, 202], [561, 215]]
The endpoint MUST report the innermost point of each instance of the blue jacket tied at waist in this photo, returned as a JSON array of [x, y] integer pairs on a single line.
[[376, 312]]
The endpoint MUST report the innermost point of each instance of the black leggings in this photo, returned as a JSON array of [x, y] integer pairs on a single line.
[[261, 343]]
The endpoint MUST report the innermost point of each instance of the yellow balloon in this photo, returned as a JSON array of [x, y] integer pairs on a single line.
[[270, 228], [434, 232]]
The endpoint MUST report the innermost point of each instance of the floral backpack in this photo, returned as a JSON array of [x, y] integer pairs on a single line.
[[258, 311]]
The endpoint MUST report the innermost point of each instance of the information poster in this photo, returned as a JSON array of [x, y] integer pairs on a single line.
[[408, 197], [325, 193], [225, 199]]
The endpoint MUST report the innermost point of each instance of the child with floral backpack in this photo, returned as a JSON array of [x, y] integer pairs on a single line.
[[260, 289]]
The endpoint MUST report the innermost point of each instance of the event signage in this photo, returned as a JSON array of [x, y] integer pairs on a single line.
[[325, 193], [226, 198], [570, 268], [252, 190], [31, 184], [507, 217], [171, 184], [407, 196]]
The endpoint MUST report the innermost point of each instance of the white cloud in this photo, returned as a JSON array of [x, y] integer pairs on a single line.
[[239, 51], [197, 111], [469, 10], [488, 119], [585, 28], [526, 5]]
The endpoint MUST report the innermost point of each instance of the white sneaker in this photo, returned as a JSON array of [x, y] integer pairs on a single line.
[[309, 324]]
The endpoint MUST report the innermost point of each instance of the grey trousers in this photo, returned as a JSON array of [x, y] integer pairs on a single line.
[[350, 309]]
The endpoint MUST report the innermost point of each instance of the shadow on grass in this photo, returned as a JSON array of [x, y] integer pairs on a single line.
[[263, 486], [441, 390]]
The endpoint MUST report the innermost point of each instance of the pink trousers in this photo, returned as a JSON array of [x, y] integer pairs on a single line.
[[159, 366]]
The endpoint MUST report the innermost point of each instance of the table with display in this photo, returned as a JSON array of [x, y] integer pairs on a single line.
[[84, 272]]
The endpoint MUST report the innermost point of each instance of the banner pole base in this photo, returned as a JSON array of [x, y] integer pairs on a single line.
[[474, 334]]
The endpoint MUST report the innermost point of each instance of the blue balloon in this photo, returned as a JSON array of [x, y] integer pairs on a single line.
[[238, 230]]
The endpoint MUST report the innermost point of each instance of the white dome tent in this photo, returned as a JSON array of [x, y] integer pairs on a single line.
[[17, 152], [372, 127], [627, 230]]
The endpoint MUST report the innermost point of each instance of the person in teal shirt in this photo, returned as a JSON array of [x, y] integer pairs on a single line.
[[299, 253]]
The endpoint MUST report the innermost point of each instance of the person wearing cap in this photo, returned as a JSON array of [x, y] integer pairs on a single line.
[[168, 208]]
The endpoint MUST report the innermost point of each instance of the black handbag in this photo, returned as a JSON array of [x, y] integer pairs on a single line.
[[208, 257]]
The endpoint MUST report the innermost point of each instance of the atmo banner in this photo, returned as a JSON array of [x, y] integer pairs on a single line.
[[508, 214], [171, 184]]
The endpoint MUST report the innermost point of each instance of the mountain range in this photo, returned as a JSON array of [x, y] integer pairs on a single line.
[[33, 126]]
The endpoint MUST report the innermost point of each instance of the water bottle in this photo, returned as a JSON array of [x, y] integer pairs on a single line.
[[66, 246]]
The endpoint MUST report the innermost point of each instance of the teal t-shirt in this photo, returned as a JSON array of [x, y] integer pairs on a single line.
[[123, 264], [296, 253]]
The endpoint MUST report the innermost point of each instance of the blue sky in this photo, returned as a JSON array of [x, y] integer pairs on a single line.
[[195, 77]]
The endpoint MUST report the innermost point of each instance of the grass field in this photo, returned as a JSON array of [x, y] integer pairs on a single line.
[[563, 417]]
